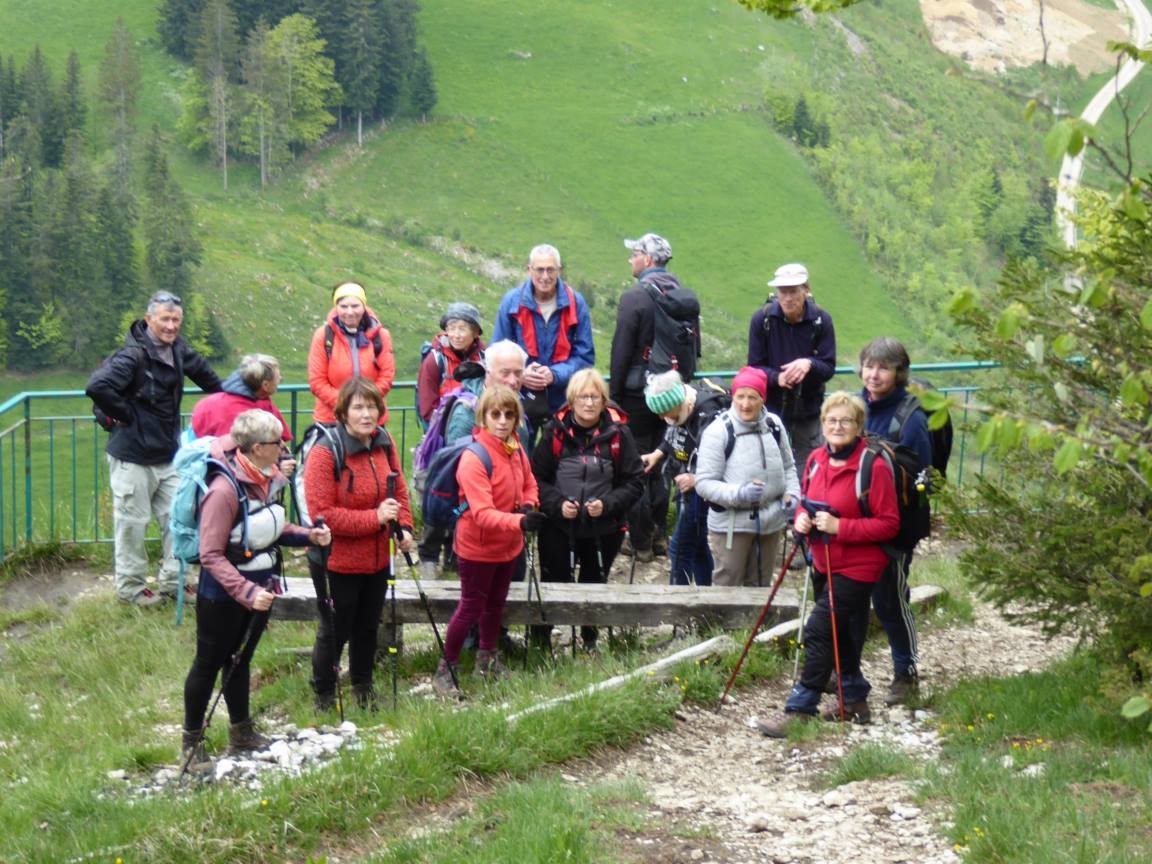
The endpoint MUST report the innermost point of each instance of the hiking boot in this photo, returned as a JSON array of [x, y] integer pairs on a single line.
[[243, 738], [644, 556], [325, 701], [830, 687], [365, 698], [489, 667], [856, 712], [146, 598], [509, 645], [192, 752], [777, 725], [902, 688], [442, 681], [660, 546]]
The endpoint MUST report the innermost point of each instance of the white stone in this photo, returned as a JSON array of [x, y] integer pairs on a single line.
[[118, 774], [224, 767], [347, 728], [1036, 770]]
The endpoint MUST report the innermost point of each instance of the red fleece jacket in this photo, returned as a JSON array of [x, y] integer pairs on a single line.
[[489, 530]]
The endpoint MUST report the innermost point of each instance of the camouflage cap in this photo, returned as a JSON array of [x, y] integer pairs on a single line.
[[653, 245]]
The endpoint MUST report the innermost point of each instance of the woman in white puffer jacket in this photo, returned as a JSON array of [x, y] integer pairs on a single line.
[[746, 473]]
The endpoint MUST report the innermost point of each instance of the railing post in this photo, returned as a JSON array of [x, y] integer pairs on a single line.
[[28, 468]]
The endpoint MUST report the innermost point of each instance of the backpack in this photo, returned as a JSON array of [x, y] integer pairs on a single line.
[[196, 467], [434, 440], [313, 434], [440, 503], [377, 341], [941, 438], [911, 491], [426, 348], [139, 373], [676, 339]]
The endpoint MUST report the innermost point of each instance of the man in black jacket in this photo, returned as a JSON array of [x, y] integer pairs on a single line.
[[631, 342], [137, 394]]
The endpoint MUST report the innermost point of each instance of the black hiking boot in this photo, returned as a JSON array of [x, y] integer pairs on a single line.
[[193, 757]]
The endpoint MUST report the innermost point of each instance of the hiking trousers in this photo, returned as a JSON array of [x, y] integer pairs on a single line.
[[688, 550], [891, 598], [140, 492], [358, 599], [221, 626], [740, 565]]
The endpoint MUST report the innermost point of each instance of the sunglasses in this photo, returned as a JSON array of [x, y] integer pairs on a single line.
[[164, 297], [497, 414]]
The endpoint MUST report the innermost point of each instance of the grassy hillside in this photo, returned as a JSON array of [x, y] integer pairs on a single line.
[[594, 137]]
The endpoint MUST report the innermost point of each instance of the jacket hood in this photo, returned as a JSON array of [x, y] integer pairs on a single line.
[[235, 385]]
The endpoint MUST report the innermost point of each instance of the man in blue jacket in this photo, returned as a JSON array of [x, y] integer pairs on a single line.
[[551, 322], [137, 395], [793, 340]]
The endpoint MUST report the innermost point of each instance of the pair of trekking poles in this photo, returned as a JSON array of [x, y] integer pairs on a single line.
[[798, 542]]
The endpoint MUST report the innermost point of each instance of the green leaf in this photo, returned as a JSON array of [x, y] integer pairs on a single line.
[[1035, 349], [1030, 109], [1146, 589], [1067, 456], [962, 301], [1061, 391], [1008, 323], [1094, 293], [1146, 316], [1132, 392], [986, 434], [1064, 344], [1135, 706]]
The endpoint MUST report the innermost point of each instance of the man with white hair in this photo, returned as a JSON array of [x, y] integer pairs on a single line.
[[550, 320], [793, 341]]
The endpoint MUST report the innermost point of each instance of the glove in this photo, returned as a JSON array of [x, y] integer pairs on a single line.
[[533, 521], [750, 493], [526, 508]]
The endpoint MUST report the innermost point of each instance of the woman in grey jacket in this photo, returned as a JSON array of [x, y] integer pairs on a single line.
[[744, 469]]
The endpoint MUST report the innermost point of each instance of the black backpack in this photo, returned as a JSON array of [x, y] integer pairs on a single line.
[[140, 376], [676, 339], [941, 438], [911, 491]]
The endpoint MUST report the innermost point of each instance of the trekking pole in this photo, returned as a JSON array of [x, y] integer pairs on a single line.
[[331, 604], [803, 613], [572, 565], [755, 629], [759, 555], [245, 648], [393, 541], [427, 608], [835, 638]]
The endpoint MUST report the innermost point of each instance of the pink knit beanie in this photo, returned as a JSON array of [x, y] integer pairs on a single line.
[[752, 377]]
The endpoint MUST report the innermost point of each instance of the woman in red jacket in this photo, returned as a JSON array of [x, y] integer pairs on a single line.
[[360, 501], [350, 343], [500, 498], [848, 546]]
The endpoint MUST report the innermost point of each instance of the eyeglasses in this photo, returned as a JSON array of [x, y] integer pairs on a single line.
[[545, 271], [589, 397], [165, 297], [275, 443], [839, 422], [638, 253]]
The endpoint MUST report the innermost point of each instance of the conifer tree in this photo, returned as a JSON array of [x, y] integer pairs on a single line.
[[73, 107], [423, 89], [358, 61], [217, 64], [118, 90], [178, 25], [172, 250], [254, 129]]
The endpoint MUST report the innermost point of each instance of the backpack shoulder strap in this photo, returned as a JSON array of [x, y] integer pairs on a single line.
[[730, 441], [329, 338], [873, 449], [907, 407], [774, 428], [482, 454]]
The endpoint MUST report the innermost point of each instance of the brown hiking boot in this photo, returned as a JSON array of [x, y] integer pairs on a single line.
[[777, 725], [243, 738], [902, 689], [489, 667], [442, 681], [856, 712], [146, 598]]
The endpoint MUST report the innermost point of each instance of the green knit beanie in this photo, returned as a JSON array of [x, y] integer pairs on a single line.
[[664, 392]]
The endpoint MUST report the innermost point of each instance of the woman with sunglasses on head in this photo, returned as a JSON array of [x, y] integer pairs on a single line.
[[497, 486], [848, 557], [239, 566], [590, 475], [351, 343]]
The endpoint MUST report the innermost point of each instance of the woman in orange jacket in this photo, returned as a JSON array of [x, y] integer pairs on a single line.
[[351, 343], [501, 495]]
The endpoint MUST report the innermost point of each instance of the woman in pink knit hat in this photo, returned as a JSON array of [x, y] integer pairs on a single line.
[[745, 471]]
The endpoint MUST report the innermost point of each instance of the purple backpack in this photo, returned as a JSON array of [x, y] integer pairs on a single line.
[[434, 440]]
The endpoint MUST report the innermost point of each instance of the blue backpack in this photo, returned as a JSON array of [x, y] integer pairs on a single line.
[[440, 501], [196, 467]]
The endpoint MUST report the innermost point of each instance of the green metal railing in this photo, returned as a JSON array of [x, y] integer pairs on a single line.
[[54, 477]]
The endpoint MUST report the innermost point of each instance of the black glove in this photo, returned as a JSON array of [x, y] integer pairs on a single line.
[[526, 508], [533, 521]]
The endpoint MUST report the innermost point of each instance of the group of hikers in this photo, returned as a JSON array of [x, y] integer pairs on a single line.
[[544, 450]]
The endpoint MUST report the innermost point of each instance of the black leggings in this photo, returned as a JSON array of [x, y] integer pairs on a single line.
[[221, 626], [358, 599]]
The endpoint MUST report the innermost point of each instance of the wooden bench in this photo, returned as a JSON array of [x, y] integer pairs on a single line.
[[612, 605]]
